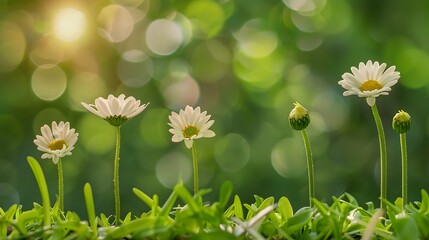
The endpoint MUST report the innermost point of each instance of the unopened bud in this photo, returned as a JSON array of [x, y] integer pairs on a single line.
[[298, 117], [401, 122]]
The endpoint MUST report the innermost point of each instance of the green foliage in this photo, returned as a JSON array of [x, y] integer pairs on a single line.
[[186, 216], [43, 188]]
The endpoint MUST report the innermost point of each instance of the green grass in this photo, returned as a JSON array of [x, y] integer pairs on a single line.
[[187, 216]]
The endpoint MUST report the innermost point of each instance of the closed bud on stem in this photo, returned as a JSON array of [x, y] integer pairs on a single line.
[[401, 122], [298, 117]]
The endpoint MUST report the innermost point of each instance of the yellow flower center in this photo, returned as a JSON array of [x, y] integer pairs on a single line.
[[190, 131], [56, 145], [370, 85]]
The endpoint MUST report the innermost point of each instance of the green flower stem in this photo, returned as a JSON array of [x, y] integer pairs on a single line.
[[116, 177], [309, 154], [60, 185], [195, 165], [403, 141], [383, 155]]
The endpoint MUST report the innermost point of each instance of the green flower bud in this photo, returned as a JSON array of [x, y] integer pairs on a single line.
[[298, 117], [401, 122]]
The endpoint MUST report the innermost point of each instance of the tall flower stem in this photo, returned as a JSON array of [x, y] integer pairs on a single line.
[[116, 176], [311, 191], [383, 155], [60, 185], [403, 141], [195, 166]]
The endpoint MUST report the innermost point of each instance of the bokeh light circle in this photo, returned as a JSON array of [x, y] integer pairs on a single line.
[[185, 91], [85, 87], [163, 37], [232, 152], [116, 22], [69, 24], [48, 83], [259, 44], [259, 73], [207, 18], [172, 167], [288, 159], [95, 134], [129, 3], [46, 116], [46, 53], [254, 41], [309, 7], [216, 64], [12, 46], [135, 73]]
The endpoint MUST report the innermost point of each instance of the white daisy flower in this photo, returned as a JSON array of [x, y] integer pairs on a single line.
[[116, 110], [190, 124], [370, 80], [56, 142]]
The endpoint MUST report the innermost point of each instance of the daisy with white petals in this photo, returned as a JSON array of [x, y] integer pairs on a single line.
[[188, 125], [116, 111], [370, 80], [57, 142]]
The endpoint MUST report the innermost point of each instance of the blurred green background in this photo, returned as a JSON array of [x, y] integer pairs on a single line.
[[243, 61]]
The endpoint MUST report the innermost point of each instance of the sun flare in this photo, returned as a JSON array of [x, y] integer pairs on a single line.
[[69, 24]]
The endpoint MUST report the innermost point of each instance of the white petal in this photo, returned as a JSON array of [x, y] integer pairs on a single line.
[[91, 108], [55, 159], [114, 106], [47, 133], [189, 143], [41, 141], [202, 121], [187, 114], [103, 108], [358, 75], [370, 101], [177, 121], [195, 116], [122, 97], [207, 125], [177, 138], [137, 110], [209, 134], [126, 107]]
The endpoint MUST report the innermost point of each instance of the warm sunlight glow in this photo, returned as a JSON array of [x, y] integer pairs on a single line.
[[69, 24]]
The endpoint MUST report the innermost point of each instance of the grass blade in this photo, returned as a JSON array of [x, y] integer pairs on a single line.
[[90, 209], [238, 209], [43, 188], [225, 194], [169, 204], [145, 198]]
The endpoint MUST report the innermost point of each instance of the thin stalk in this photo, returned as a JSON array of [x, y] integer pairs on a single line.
[[383, 156], [60, 185], [116, 177], [195, 165], [311, 191], [403, 141]]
